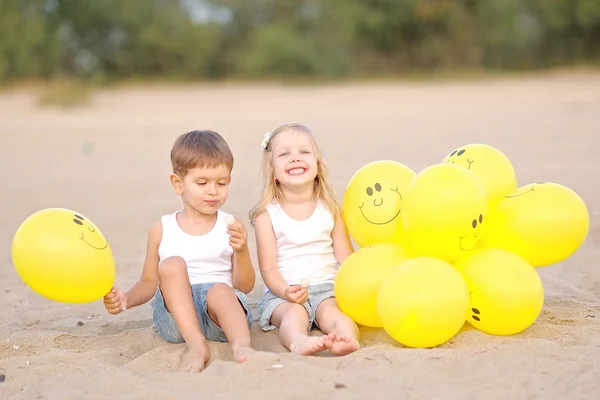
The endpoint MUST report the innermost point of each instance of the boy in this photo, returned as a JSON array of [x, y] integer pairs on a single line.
[[197, 257]]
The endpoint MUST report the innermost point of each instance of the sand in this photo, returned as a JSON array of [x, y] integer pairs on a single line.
[[110, 162]]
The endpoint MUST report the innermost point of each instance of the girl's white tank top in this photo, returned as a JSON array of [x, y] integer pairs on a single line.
[[304, 248]]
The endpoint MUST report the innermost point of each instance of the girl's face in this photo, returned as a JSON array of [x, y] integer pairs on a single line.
[[294, 159]]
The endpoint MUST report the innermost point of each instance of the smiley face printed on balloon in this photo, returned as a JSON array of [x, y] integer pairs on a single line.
[[457, 157], [373, 202], [524, 190], [490, 165], [476, 314], [88, 233], [376, 210], [472, 236]]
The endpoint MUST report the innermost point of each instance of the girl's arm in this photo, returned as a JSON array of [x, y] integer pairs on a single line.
[[342, 246], [267, 255]]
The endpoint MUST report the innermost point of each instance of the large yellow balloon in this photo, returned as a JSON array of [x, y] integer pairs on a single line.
[[63, 256], [444, 211], [373, 202], [542, 222], [359, 278], [423, 302], [490, 165], [506, 292]]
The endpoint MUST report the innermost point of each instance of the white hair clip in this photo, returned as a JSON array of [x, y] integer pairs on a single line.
[[265, 142]]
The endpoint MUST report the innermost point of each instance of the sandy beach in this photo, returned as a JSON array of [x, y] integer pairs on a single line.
[[110, 161]]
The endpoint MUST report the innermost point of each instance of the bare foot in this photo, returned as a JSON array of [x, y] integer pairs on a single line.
[[330, 338], [309, 345], [195, 359], [343, 345], [241, 352]]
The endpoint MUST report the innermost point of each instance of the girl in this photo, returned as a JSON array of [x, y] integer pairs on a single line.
[[301, 236]]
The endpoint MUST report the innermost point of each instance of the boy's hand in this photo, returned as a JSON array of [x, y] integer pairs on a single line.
[[296, 294], [115, 301], [238, 237]]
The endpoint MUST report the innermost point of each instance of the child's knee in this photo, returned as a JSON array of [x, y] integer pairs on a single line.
[[328, 309], [219, 291], [171, 266], [296, 311]]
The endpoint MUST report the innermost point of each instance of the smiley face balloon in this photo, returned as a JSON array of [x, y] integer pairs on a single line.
[[444, 211], [490, 165], [506, 292], [63, 256], [542, 222], [373, 202]]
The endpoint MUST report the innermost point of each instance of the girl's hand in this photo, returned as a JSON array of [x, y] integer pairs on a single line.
[[296, 294], [115, 301], [238, 237]]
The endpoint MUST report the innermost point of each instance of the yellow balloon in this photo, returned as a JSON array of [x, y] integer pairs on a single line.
[[359, 278], [542, 222], [63, 256], [490, 165], [423, 302], [373, 202], [506, 292], [444, 211]]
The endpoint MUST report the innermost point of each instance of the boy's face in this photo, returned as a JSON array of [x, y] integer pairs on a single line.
[[204, 189]]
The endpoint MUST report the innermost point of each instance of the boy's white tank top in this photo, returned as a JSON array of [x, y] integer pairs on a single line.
[[208, 256], [304, 248]]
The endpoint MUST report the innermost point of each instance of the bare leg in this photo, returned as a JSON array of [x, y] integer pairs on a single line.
[[225, 310], [292, 320], [339, 327], [176, 290]]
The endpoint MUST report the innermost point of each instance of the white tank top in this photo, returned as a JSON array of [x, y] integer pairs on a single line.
[[208, 256], [304, 248]]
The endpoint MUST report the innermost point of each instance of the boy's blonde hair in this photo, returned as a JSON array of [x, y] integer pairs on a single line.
[[200, 149], [270, 188]]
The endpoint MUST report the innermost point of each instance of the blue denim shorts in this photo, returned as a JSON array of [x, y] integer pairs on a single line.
[[316, 295], [165, 323]]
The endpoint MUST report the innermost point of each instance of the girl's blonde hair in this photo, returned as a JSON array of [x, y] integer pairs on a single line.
[[270, 188]]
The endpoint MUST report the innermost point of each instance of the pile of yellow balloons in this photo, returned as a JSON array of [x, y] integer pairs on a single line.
[[63, 256], [459, 241]]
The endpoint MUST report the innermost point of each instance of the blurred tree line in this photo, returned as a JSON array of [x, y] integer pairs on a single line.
[[210, 39]]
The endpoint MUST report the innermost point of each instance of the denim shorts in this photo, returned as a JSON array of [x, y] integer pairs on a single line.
[[316, 295], [165, 323]]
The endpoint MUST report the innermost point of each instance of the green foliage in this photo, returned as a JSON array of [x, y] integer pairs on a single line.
[[304, 39], [278, 50], [99, 41], [21, 34]]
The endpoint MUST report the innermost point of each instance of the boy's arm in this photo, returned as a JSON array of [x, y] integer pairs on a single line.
[[144, 289], [243, 271], [342, 246], [267, 255], [243, 275]]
